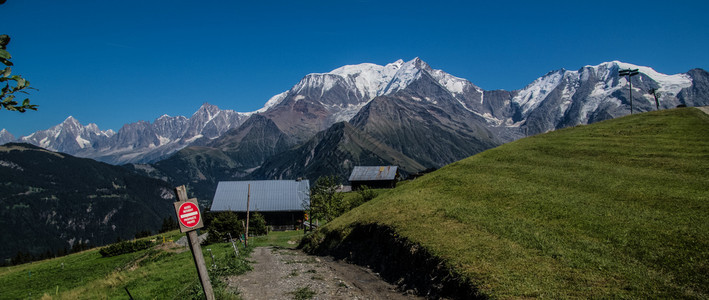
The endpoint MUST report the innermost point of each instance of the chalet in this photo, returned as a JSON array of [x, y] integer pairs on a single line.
[[376, 177], [281, 202]]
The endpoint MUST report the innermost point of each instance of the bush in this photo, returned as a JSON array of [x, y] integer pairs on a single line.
[[143, 233], [125, 247], [257, 224], [364, 194], [221, 224]]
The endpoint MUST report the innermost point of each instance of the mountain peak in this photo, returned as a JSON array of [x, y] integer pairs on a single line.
[[6, 136], [71, 120], [208, 107]]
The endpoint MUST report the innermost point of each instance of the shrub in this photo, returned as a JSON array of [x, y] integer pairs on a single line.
[[364, 194], [125, 247], [221, 224], [143, 233], [257, 224]]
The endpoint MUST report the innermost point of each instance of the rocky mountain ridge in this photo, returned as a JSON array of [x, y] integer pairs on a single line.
[[136, 142], [412, 90]]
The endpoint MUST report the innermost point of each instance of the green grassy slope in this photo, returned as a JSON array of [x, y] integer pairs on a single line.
[[614, 209], [154, 273], [157, 273]]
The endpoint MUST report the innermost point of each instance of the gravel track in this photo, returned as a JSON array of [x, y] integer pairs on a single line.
[[278, 273]]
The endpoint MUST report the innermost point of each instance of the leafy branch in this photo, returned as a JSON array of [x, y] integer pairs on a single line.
[[13, 83]]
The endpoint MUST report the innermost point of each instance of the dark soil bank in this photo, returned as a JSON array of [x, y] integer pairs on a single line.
[[396, 259]]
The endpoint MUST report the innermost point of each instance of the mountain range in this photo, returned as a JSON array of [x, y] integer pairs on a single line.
[[135, 142], [403, 113]]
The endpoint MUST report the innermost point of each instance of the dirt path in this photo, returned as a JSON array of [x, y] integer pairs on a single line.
[[279, 273], [705, 109]]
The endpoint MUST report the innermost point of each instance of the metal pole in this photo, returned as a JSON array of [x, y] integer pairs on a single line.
[[630, 80], [248, 199]]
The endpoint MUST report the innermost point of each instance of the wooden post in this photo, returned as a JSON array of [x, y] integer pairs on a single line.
[[196, 249], [248, 199]]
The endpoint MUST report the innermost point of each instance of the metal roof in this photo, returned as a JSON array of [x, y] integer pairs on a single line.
[[266, 195], [370, 173]]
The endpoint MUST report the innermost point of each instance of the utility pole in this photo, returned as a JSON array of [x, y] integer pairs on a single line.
[[654, 94], [629, 73]]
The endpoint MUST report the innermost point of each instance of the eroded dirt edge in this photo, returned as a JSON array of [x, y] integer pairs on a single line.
[[394, 258]]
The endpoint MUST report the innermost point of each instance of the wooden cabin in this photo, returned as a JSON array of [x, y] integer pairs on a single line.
[[375, 177], [281, 202]]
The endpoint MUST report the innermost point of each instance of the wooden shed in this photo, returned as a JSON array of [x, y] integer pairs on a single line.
[[376, 177], [281, 202]]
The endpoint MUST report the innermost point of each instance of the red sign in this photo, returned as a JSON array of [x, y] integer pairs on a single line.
[[188, 214]]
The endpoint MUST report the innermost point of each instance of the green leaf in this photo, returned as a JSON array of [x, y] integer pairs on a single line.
[[21, 82], [26, 102], [6, 72], [9, 102], [6, 62], [4, 54]]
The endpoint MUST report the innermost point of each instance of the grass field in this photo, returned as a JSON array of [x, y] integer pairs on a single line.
[[617, 209], [283, 239], [156, 273]]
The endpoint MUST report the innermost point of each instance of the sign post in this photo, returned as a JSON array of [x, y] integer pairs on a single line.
[[190, 219]]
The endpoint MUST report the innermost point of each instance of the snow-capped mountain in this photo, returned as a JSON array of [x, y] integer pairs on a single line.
[[6, 136], [136, 142], [322, 99], [561, 98], [69, 136], [558, 99], [564, 98]]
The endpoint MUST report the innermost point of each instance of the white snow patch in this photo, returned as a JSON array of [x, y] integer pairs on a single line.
[[533, 94], [270, 103], [163, 140], [83, 143], [44, 143], [192, 139], [453, 84]]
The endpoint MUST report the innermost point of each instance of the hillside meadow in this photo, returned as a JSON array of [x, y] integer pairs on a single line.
[[165, 271], [616, 209]]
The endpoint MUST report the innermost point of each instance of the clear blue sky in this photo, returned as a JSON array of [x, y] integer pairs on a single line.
[[115, 62]]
